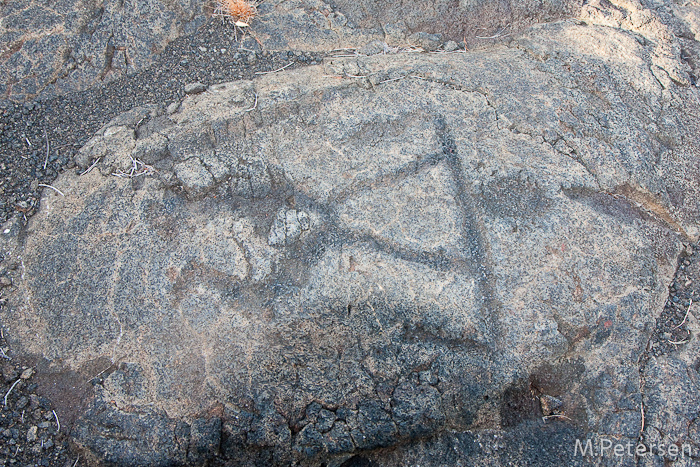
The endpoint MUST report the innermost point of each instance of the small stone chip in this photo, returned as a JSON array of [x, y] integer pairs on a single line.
[[172, 108], [31, 434], [195, 88], [550, 405], [451, 46], [26, 374]]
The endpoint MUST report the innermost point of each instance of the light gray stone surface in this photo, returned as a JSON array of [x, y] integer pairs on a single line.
[[408, 250]]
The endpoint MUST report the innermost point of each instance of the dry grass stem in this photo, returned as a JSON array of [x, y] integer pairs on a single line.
[[119, 338], [255, 105], [686, 315], [57, 422], [547, 417], [92, 166], [52, 187], [10, 390], [46, 160], [101, 373], [343, 76], [274, 71], [138, 168], [391, 79], [495, 36]]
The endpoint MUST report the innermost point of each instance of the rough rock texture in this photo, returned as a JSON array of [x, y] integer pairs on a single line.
[[460, 20], [70, 45], [408, 251]]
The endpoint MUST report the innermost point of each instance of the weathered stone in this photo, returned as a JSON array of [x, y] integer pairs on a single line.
[[194, 176], [422, 260], [151, 150], [287, 227], [195, 88], [457, 20], [31, 434], [428, 42], [73, 45], [417, 409], [373, 48], [251, 178]]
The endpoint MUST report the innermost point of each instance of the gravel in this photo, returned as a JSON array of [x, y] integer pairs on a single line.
[[29, 426], [671, 326]]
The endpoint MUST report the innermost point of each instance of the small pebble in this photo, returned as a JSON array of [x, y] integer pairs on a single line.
[[26, 374], [31, 434], [33, 401], [451, 46], [195, 88], [172, 108]]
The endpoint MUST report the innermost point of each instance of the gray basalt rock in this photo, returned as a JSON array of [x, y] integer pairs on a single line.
[[466, 20], [75, 44], [418, 261], [71, 45]]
